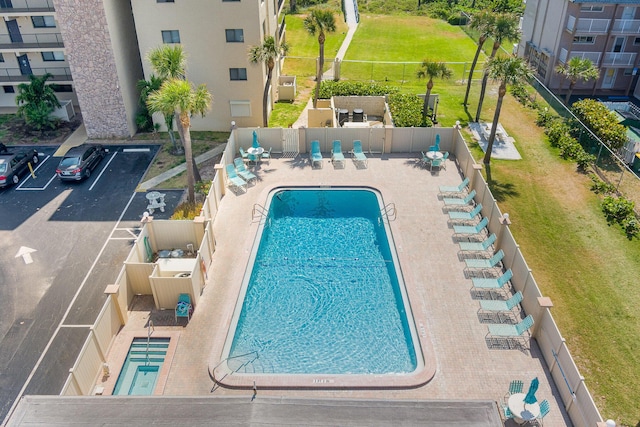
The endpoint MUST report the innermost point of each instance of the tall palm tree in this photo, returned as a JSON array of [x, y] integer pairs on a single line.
[[504, 28], [577, 69], [320, 21], [267, 53], [168, 61], [481, 22], [180, 96], [508, 71], [431, 70]]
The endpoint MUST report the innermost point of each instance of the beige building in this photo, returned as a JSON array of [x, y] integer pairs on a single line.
[[606, 31], [216, 36]]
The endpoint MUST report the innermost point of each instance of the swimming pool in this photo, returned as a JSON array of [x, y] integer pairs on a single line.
[[139, 374], [323, 294]]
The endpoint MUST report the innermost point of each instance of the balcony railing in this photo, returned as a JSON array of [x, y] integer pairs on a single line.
[[281, 29], [593, 56], [19, 6], [626, 26], [619, 59], [587, 26], [14, 74], [41, 40]]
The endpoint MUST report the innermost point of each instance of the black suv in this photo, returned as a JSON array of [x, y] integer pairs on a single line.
[[15, 163], [79, 161]]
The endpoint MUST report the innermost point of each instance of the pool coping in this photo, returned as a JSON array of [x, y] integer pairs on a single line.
[[120, 349], [221, 374]]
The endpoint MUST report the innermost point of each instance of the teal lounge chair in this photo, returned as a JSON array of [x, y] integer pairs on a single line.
[[315, 156], [498, 305], [358, 155], [466, 216], [492, 262], [492, 283], [478, 246], [463, 230], [184, 307], [456, 201], [336, 154], [233, 180], [244, 154], [455, 190], [503, 335], [242, 170]]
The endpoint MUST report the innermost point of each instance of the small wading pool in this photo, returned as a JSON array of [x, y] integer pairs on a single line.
[[323, 294], [139, 374]]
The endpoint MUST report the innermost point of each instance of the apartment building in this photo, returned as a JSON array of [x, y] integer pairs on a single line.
[[31, 43], [605, 31], [216, 35]]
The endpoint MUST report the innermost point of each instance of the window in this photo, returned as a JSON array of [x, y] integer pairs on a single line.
[[171, 36], [62, 88], [43, 21], [591, 8], [240, 108], [236, 36], [238, 73], [52, 56], [628, 71], [636, 41], [9, 89], [584, 39]]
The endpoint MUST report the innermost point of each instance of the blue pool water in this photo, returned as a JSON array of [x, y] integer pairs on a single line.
[[139, 373], [323, 295]]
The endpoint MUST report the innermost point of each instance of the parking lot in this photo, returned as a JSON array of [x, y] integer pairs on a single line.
[[61, 244]]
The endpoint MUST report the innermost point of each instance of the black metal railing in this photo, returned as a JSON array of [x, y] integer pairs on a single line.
[[15, 75], [40, 40]]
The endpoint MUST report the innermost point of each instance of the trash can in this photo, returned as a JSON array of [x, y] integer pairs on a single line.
[[358, 115], [343, 116]]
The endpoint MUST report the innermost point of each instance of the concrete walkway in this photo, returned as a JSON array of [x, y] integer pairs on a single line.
[[352, 23], [78, 137]]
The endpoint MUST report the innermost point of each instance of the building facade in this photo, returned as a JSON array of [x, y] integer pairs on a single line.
[[606, 32]]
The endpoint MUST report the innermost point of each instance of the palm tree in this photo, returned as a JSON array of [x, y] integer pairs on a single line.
[[267, 53], [481, 22], [577, 69], [320, 21], [508, 71], [168, 61], [504, 28], [431, 70], [36, 100], [179, 96]]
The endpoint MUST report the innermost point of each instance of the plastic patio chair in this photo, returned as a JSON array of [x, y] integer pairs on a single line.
[[336, 153], [244, 154], [544, 410], [233, 179], [184, 307], [242, 170], [315, 156], [267, 155]]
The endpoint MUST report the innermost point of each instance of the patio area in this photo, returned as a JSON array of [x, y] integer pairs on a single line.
[[503, 145], [441, 300]]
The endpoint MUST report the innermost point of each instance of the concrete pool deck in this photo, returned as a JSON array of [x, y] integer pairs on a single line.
[[465, 368]]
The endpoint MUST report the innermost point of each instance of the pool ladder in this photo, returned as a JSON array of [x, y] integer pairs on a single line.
[[388, 213], [216, 383], [150, 329], [259, 213]]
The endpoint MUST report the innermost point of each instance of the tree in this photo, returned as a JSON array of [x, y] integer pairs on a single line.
[[431, 70], [267, 53], [508, 71], [177, 96], [319, 21], [504, 28], [36, 101], [577, 69], [481, 22]]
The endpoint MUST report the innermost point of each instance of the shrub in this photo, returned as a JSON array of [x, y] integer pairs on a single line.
[[187, 211], [598, 186], [556, 131], [347, 88], [617, 209], [406, 110], [545, 117], [631, 226], [584, 159], [599, 119]]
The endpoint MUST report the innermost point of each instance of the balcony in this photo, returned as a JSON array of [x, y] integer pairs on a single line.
[[587, 26], [281, 30], [21, 7], [626, 26], [32, 41], [593, 56], [13, 75], [619, 59]]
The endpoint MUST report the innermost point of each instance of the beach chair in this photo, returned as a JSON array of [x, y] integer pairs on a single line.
[[267, 155], [503, 335], [315, 156], [184, 307], [456, 201], [445, 157], [242, 170], [425, 160], [478, 246], [244, 154], [482, 263], [444, 189], [336, 154], [466, 216], [436, 163], [492, 282], [544, 410], [358, 155], [466, 230], [233, 180], [498, 305]]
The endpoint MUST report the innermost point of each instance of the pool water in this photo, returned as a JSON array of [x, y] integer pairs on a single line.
[[324, 294], [139, 373]]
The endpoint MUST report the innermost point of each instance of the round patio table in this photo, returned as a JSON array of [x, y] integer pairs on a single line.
[[522, 412], [257, 151], [433, 155]]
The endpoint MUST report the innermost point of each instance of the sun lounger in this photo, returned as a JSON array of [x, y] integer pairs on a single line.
[[336, 154], [498, 305], [470, 229], [456, 201], [478, 246], [484, 263], [358, 155], [242, 170], [234, 180], [504, 335], [466, 216], [315, 156], [492, 283]]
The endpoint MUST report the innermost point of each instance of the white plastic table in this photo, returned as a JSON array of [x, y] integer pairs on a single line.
[[433, 155], [255, 151], [522, 412], [156, 201]]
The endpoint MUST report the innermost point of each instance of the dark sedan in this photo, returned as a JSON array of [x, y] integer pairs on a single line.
[[14, 164], [80, 161]]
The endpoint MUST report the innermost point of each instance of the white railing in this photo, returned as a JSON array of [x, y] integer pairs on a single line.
[[593, 56], [628, 26], [590, 26], [619, 59]]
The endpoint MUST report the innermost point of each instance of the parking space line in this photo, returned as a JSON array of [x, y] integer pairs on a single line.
[[135, 150], [38, 188], [102, 171], [66, 314], [19, 187], [75, 326]]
